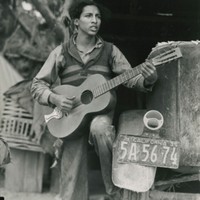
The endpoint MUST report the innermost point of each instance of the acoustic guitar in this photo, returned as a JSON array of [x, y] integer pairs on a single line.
[[94, 95]]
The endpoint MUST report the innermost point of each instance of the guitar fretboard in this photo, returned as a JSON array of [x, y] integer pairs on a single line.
[[162, 58], [113, 83]]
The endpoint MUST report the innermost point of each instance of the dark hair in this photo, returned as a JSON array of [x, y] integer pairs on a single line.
[[77, 8]]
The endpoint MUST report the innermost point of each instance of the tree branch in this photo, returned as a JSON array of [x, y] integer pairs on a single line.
[[66, 7], [23, 25], [58, 28]]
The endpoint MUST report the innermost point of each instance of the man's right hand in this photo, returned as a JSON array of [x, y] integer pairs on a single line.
[[63, 103]]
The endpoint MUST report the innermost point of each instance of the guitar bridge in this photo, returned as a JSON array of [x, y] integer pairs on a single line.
[[56, 114]]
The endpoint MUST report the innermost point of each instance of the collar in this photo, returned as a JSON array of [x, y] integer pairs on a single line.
[[99, 41], [72, 49]]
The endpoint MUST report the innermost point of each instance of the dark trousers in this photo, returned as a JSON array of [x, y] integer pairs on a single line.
[[74, 169]]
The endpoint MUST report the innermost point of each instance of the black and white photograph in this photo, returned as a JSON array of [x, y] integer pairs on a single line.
[[99, 100]]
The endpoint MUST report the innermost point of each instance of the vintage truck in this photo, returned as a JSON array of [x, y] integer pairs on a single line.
[[136, 164]]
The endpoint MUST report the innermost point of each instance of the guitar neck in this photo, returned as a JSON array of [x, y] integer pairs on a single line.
[[113, 83], [160, 59]]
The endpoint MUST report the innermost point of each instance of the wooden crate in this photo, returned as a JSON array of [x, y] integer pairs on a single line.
[[25, 172], [16, 126]]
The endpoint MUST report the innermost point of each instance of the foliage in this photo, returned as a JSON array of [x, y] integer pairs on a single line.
[[31, 30]]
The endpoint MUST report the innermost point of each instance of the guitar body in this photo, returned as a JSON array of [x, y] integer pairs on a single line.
[[86, 104]]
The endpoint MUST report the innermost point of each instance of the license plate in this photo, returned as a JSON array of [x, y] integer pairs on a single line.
[[148, 151]]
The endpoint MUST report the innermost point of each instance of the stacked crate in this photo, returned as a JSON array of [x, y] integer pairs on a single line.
[[25, 172]]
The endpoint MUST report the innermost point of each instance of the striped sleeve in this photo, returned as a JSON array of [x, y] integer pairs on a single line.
[[47, 76]]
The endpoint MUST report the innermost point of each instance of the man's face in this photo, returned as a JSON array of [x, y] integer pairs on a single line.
[[89, 21]]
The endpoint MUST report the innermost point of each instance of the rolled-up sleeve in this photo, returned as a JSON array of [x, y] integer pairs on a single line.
[[120, 64], [47, 76]]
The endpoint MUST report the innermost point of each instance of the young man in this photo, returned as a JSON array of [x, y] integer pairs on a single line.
[[86, 54]]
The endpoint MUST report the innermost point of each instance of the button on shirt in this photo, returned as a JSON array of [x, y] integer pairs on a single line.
[[86, 55]]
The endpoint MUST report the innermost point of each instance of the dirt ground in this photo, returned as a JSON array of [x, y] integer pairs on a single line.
[[50, 192], [97, 194], [8, 195], [46, 195]]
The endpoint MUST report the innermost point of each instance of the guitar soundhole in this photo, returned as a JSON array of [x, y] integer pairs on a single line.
[[86, 97]]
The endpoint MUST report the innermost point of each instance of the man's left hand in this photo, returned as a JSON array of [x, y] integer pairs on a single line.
[[149, 72]]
